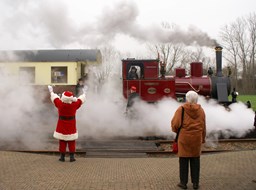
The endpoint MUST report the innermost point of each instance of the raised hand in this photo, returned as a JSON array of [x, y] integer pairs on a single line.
[[50, 88]]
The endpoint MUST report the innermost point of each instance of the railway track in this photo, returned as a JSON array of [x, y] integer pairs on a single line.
[[222, 145], [128, 148]]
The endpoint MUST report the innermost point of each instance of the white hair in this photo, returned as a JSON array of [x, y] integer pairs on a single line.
[[191, 97]]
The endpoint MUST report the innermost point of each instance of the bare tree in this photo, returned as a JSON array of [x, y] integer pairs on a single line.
[[251, 20], [179, 55], [110, 64], [110, 59], [231, 49], [239, 40], [243, 47], [170, 54]]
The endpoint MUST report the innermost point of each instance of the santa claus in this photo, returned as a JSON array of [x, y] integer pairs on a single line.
[[66, 131]]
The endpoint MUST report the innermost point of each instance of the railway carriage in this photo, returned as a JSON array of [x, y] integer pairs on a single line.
[[39, 68]]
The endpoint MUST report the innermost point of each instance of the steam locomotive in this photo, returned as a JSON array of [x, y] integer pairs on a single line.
[[152, 84]]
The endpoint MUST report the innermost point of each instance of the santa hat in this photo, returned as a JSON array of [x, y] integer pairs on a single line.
[[67, 97], [133, 88]]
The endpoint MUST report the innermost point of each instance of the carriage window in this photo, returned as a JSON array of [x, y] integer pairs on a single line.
[[59, 74], [134, 72], [27, 74]]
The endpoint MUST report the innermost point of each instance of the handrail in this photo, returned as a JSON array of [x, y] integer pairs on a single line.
[[200, 87]]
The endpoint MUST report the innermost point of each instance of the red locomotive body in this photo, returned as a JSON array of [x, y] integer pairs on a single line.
[[152, 84], [196, 81]]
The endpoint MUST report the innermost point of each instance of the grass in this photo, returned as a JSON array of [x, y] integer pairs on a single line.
[[245, 98]]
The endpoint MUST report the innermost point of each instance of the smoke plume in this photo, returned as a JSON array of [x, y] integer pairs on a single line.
[[49, 24]]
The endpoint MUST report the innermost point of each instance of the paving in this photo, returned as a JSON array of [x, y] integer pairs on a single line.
[[230, 170]]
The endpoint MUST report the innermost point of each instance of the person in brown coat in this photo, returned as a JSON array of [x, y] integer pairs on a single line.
[[191, 137]]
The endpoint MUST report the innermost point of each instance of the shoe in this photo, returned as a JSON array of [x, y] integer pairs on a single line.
[[62, 158], [182, 186], [195, 186], [72, 157]]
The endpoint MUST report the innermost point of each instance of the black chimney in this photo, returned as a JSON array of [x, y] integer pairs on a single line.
[[218, 50]]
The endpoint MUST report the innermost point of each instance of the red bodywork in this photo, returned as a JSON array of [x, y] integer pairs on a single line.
[[201, 85], [151, 90], [152, 86]]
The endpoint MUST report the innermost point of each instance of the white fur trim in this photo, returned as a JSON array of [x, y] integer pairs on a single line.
[[82, 97], [70, 137], [54, 96], [66, 99]]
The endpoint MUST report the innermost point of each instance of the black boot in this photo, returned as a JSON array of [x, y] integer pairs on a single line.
[[182, 186], [72, 157], [62, 157], [195, 186]]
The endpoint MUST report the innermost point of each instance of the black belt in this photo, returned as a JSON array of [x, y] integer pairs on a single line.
[[67, 117]]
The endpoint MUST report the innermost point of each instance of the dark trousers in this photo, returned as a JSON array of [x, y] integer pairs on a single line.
[[194, 169], [63, 146]]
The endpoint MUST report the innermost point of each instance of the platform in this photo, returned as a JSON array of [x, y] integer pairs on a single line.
[[232, 170]]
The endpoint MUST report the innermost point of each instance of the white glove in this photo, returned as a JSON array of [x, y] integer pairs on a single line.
[[85, 89], [50, 88]]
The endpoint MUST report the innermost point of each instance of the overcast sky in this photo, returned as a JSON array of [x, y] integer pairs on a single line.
[[128, 25]]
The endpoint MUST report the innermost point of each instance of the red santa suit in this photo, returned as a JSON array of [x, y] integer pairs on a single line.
[[66, 130]]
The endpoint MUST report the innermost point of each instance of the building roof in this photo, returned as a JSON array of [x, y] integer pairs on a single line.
[[60, 55]]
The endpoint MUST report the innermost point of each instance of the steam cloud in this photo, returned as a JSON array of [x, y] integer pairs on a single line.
[[26, 120], [106, 118], [50, 24]]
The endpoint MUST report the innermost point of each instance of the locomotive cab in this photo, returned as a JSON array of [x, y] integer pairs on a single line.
[[144, 75]]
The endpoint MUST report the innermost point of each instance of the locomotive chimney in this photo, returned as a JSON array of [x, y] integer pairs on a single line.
[[218, 50]]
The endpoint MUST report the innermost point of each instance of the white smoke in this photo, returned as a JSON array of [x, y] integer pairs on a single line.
[[27, 120], [235, 121], [105, 118]]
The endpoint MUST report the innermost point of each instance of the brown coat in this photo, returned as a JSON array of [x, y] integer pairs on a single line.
[[192, 133]]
